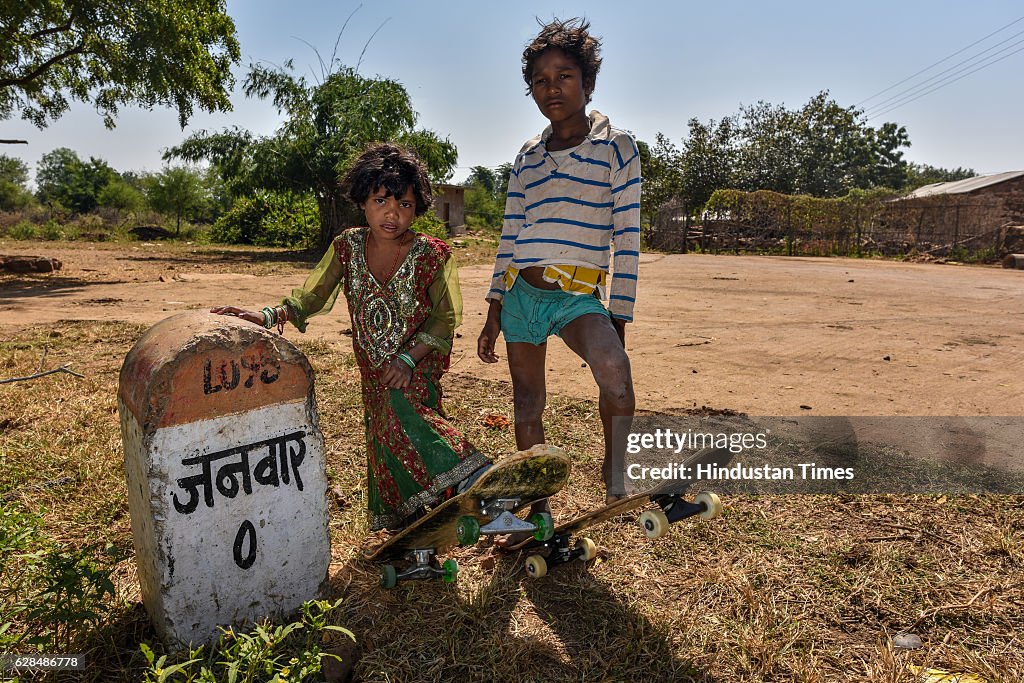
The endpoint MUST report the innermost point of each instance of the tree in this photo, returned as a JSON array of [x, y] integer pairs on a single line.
[[174, 53], [327, 125], [709, 161], [485, 196], [484, 178], [176, 191], [75, 184], [821, 149], [919, 175], [501, 177], [662, 176], [120, 194], [13, 179]]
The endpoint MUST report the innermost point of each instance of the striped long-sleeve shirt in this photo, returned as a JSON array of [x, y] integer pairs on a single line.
[[570, 212]]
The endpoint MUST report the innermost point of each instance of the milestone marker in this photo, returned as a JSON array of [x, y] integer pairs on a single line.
[[226, 479]]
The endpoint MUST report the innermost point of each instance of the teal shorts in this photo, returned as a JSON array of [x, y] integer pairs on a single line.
[[531, 315]]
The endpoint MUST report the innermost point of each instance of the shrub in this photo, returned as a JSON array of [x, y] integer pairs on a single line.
[[269, 220], [52, 230], [430, 224], [22, 230], [49, 593], [268, 653]]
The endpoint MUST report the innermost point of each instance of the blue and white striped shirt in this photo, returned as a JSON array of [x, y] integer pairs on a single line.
[[571, 211]]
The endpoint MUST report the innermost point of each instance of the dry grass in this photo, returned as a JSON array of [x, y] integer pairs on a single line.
[[806, 588]]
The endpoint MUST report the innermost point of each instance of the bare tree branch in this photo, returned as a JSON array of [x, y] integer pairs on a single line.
[[63, 368], [368, 41]]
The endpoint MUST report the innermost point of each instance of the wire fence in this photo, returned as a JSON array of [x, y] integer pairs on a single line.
[[963, 227]]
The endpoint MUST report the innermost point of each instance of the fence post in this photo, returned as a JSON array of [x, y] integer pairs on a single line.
[[956, 229], [686, 231], [789, 228]]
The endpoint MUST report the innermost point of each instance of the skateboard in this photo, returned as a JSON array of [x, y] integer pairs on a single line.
[[486, 508], [672, 507]]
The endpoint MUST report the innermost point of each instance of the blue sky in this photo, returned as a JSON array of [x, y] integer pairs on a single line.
[[664, 64]]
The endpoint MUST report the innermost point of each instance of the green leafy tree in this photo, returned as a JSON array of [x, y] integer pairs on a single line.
[[14, 193], [175, 53], [767, 148], [662, 175], [919, 175], [120, 194], [484, 205], [326, 126], [501, 177], [484, 178], [821, 149], [709, 160], [176, 191], [64, 178]]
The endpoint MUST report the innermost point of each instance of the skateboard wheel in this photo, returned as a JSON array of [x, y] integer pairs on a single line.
[[589, 549], [712, 504], [545, 526], [451, 571], [536, 567], [468, 530], [388, 576], [655, 523]]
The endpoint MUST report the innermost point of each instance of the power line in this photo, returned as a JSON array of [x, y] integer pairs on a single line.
[[943, 85], [880, 92], [923, 84]]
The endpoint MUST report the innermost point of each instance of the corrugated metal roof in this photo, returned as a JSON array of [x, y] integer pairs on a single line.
[[962, 186]]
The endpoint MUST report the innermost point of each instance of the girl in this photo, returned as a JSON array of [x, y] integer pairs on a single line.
[[403, 296]]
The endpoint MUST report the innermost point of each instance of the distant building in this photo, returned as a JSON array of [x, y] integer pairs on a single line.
[[450, 206], [983, 212], [1002, 193]]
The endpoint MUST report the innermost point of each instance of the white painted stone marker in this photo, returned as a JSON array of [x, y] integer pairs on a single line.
[[227, 487]]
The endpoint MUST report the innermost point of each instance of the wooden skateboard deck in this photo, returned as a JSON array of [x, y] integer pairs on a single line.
[[529, 476], [668, 495]]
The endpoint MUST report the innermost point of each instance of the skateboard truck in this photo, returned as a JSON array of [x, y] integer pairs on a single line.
[[673, 508], [499, 511], [503, 521], [655, 523], [424, 567], [559, 552]]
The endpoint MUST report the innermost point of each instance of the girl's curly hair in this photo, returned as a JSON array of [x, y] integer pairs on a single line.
[[392, 167], [572, 37]]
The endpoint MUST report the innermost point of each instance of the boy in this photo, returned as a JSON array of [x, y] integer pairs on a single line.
[[573, 190]]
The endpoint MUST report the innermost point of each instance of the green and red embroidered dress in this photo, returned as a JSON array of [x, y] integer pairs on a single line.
[[413, 454]]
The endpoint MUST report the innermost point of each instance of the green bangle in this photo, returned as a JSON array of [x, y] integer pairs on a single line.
[[408, 360], [269, 317]]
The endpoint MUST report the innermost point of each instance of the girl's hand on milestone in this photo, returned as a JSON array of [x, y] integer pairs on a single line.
[[397, 376], [250, 316]]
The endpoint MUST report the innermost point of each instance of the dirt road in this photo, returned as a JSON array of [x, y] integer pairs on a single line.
[[760, 335]]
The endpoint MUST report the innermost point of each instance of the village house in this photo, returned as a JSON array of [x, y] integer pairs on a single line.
[[450, 206]]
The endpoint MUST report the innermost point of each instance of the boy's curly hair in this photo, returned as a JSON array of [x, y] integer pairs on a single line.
[[572, 37], [392, 167]]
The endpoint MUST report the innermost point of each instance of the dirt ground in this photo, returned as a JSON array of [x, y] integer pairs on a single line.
[[758, 335]]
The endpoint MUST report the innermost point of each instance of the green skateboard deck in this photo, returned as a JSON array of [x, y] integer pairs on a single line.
[[487, 507]]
